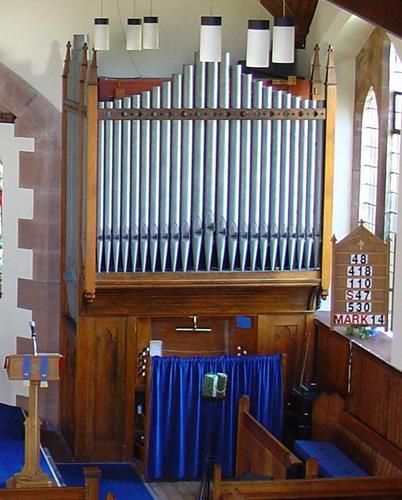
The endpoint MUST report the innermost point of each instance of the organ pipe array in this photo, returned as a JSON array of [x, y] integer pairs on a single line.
[[211, 170]]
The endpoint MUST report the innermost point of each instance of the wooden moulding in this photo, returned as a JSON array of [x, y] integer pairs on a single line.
[[329, 164], [89, 223]]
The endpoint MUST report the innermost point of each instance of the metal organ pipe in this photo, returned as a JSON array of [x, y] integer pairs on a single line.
[[255, 178], [275, 182], [244, 209], [302, 188], [222, 183], [175, 174], [198, 165], [234, 174], [144, 182], [108, 187], [210, 165], [135, 185], [126, 187], [265, 180], [311, 174], [100, 194], [293, 184], [165, 177], [155, 180]]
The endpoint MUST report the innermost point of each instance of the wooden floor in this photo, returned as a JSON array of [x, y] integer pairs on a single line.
[[186, 490]]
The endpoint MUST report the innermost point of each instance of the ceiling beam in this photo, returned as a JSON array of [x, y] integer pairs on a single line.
[[384, 14], [301, 10]]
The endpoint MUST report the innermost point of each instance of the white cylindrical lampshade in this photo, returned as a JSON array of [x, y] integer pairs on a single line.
[[211, 39], [134, 34], [283, 40], [150, 33], [258, 43], [101, 33]]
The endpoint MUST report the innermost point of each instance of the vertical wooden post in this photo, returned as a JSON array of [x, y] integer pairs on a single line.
[[31, 474], [89, 258], [330, 85], [244, 406], [64, 121], [92, 476], [81, 156], [317, 87]]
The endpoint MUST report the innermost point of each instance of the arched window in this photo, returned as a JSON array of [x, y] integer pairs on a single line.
[[369, 162]]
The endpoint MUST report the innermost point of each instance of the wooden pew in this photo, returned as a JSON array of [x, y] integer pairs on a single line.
[[364, 446], [257, 448], [376, 488], [90, 491], [260, 453]]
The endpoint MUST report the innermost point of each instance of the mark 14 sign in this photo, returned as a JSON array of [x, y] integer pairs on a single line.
[[360, 280]]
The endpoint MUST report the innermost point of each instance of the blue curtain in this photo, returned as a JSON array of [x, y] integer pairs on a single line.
[[184, 427]]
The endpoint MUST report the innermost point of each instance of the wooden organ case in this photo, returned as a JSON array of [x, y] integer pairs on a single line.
[[188, 202]]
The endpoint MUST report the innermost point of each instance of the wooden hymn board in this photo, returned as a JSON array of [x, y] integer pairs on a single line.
[[360, 280]]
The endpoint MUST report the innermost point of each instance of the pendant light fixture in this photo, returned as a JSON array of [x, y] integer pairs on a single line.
[[258, 43], [211, 37], [283, 39], [134, 32], [150, 31], [101, 31]]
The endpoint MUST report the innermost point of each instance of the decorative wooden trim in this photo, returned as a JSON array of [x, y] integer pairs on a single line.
[[317, 87], [81, 153], [89, 257], [211, 114], [330, 85], [200, 280]]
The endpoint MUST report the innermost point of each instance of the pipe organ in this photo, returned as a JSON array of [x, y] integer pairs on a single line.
[[238, 193], [206, 194]]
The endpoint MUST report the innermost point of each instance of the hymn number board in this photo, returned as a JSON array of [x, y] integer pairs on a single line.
[[360, 269]]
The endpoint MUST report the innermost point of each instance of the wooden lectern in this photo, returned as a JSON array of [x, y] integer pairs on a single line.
[[35, 370]]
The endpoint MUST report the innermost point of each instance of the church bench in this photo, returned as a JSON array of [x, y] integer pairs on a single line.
[[368, 449], [259, 452], [375, 488]]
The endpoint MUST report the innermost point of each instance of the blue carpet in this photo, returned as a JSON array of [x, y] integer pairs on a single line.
[[12, 443], [119, 478]]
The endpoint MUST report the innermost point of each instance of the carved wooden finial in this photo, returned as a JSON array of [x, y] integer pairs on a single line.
[[331, 74], [93, 74], [84, 62], [67, 59], [317, 87]]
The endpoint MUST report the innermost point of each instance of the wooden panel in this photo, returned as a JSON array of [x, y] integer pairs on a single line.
[[67, 383], [243, 340], [376, 395], [284, 334], [104, 388], [332, 358], [214, 343], [206, 294]]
